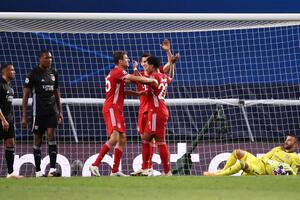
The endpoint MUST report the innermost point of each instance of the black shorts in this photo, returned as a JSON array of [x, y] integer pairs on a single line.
[[41, 123], [7, 134]]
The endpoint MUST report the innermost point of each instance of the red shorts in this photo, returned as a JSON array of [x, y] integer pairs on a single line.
[[157, 123], [114, 120], [142, 122]]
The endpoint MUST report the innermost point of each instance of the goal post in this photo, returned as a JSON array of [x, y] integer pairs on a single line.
[[246, 63]]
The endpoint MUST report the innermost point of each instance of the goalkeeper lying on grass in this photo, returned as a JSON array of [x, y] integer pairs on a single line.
[[281, 160]]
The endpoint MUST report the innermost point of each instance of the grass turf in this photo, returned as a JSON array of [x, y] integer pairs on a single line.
[[154, 188]]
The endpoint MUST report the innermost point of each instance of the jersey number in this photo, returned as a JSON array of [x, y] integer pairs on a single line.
[[107, 84], [163, 87]]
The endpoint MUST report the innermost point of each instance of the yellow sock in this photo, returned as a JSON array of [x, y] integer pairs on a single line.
[[231, 160], [231, 170]]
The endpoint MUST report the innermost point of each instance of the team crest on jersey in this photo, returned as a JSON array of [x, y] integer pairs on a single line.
[[52, 77], [124, 72], [27, 80]]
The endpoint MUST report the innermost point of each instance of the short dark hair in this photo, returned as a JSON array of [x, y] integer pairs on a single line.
[[5, 66], [153, 60], [118, 55], [294, 136], [145, 55], [43, 51]]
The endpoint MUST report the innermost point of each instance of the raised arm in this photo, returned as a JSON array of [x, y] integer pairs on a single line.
[[26, 94], [166, 46], [174, 59]]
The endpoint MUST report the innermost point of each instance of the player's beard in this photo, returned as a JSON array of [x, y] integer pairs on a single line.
[[125, 65], [12, 77], [287, 146]]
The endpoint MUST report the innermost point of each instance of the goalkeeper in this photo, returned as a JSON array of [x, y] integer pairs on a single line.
[[281, 160]]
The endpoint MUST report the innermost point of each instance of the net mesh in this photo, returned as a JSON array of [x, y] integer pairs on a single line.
[[251, 68]]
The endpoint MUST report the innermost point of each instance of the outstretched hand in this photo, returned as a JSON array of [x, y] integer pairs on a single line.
[[135, 64], [166, 45]]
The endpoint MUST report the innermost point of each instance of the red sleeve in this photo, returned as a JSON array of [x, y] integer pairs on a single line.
[[157, 77], [118, 74], [161, 69]]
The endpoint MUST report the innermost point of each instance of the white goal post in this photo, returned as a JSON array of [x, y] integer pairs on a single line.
[[108, 22]]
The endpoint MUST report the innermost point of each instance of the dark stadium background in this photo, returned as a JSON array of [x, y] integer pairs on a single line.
[[204, 6]]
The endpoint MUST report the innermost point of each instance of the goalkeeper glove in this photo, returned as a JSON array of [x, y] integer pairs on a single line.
[[283, 169], [287, 168]]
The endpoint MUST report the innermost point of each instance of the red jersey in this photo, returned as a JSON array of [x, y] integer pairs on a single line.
[[114, 87], [156, 96], [161, 69], [144, 87], [143, 99]]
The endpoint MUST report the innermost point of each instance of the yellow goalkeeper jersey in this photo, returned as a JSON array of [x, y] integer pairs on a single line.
[[280, 155]]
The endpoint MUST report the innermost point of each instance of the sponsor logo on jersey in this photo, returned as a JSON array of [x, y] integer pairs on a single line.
[[48, 87]]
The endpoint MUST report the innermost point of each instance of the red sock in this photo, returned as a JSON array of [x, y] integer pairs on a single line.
[[117, 158], [105, 148], [152, 150], [164, 156], [146, 149]]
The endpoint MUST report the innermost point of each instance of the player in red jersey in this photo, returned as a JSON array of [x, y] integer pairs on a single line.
[[113, 111], [147, 167], [158, 112]]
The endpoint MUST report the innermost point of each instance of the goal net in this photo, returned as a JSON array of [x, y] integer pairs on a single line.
[[236, 84]]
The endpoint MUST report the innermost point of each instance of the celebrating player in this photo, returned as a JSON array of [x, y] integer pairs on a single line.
[[7, 126], [147, 169], [158, 113], [113, 111], [280, 160], [42, 83]]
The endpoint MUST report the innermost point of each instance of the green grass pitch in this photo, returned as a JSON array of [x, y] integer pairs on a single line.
[[154, 188]]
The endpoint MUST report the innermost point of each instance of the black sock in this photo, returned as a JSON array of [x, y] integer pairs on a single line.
[[9, 156], [52, 151], [37, 157]]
